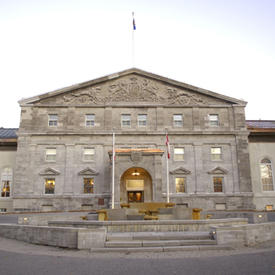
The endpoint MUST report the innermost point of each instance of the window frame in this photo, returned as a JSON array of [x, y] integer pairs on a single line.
[[45, 185], [177, 123], [92, 155], [93, 185], [47, 155], [3, 182], [140, 120], [212, 122], [175, 154], [6, 176], [52, 122], [90, 122], [214, 156], [184, 184], [215, 185], [267, 162], [123, 120]]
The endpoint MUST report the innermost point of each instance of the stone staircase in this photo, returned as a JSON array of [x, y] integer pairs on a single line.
[[158, 242]]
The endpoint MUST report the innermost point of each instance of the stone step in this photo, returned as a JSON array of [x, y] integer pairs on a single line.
[[159, 243], [160, 249], [132, 236]]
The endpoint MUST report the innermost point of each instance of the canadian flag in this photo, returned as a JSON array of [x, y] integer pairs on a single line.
[[168, 146]]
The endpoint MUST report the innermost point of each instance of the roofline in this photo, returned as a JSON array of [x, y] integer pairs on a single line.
[[127, 72]]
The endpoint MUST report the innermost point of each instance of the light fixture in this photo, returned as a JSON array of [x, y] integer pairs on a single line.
[[135, 173]]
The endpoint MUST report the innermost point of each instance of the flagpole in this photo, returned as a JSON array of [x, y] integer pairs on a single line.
[[167, 167], [133, 40], [113, 173]]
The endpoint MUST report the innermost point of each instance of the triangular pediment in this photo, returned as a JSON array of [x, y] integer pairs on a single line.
[[49, 172], [130, 87], [180, 171], [88, 172], [218, 171]]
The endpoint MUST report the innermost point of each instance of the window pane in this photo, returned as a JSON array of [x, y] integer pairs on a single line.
[[218, 184], [49, 186], [51, 154], [180, 185], [88, 153], [90, 120], [142, 120], [179, 154], [214, 120], [53, 120], [125, 120], [88, 185], [216, 153], [5, 192], [178, 121], [266, 175]]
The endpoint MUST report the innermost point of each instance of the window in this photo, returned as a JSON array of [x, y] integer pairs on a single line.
[[5, 190], [266, 175], [178, 120], [216, 153], [125, 120], [142, 120], [5, 183], [50, 154], [180, 185], [179, 154], [90, 120], [218, 184], [53, 119], [88, 185], [214, 120], [88, 154], [49, 186]]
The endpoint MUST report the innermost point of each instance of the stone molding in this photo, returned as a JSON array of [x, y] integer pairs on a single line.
[[49, 172], [180, 171], [218, 171], [88, 172]]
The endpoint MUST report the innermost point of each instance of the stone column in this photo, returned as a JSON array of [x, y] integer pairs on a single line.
[[69, 171], [198, 157], [157, 180]]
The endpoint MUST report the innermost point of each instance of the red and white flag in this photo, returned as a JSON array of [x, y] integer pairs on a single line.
[[168, 146]]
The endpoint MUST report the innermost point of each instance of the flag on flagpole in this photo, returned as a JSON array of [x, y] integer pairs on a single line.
[[168, 146], [134, 22]]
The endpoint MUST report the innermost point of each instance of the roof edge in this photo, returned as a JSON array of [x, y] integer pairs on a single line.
[[127, 72]]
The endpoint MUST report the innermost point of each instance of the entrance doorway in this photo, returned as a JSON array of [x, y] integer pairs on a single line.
[[135, 190], [135, 186]]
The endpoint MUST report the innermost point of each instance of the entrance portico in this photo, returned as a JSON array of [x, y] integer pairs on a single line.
[[138, 175], [136, 186]]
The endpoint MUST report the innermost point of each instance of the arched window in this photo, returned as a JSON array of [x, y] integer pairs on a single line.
[[266, 175], [6, 180]]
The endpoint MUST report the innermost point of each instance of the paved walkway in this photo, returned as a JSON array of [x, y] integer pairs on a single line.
[[32, 249]]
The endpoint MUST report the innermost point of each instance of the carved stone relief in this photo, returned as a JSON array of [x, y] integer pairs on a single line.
[[130, 89]]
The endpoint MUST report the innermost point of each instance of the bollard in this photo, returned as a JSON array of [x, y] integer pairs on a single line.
[[196, 215]]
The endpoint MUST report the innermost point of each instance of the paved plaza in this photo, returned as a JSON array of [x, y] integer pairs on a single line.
[[24, 258]]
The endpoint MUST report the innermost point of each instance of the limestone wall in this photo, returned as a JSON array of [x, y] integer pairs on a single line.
[[245, 235], [259, 151]]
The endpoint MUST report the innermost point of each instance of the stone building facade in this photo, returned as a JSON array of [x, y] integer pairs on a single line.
[[8, 144], [262, 159], [65, 145]]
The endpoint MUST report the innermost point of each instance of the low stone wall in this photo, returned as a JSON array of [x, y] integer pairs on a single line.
[[43, 219], [55, 236], [245, 235], [146, 226], [252, 216]]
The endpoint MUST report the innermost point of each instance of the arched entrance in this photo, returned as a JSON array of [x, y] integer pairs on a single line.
[[135, 186]]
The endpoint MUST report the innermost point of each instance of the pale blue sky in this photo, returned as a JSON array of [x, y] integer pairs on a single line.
[[224, 46]]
